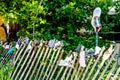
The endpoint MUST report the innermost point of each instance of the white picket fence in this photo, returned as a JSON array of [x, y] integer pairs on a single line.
[[41, 63]]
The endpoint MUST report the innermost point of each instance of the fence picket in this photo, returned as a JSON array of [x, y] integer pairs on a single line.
[[45, 63], [95, 63], [75, 69], [53, 63], [57, 64], [62, 67], [112, 57], [65, 72], [87, 69], [30, 62], [110, 73], [18, 73], [33, 62], [17, 52], [12, 77], [36, 65], [49, 64], [116, 74], [42, 61]]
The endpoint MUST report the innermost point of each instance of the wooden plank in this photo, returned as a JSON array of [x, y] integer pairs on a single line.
[[40, 66], [61, 69], [28, 63], [65, 72], [45, 62], [56, 65], [16, 68], [53, 64], [107, 66], [17, 52], [116, 74], [110, 73], [74, 69], [18, 56], [93, 67], [33, 62], [39, 58], [47, 69], [84, 74], [21, 68]]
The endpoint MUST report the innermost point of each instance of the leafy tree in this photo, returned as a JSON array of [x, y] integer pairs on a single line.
[[59, 18]]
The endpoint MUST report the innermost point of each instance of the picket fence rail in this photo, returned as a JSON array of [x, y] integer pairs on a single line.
[[41, 63]]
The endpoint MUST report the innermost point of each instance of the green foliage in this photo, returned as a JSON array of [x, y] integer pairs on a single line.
[[5, 71], [59, 19]]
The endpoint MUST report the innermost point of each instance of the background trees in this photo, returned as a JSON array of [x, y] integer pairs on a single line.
[[60, 19]]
